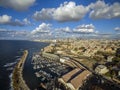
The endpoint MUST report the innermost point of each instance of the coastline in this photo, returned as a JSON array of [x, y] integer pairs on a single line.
[[18, 82]]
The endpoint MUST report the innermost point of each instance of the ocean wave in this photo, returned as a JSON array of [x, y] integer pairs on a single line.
[[18, 59], [11, 86], [10, 68], [10, 64], [17, 56]]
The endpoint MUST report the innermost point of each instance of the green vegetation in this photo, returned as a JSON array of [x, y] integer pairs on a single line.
[[108, 74], [118, 52], [116, 59], [104, 53], [98, 58]]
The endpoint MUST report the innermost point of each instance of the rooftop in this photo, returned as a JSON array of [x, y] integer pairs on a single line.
[[68, 76], [78, 80]]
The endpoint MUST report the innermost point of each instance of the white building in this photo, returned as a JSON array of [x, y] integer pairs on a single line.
[[101, 69], [109, 58], [63, 59], [118, 73]]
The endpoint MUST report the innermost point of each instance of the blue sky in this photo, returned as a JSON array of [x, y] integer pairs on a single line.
[[40, 18]]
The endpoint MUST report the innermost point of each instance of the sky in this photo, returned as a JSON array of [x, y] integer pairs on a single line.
[[39, 19]]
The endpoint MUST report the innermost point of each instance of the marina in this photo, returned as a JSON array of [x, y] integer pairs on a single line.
[[48, 69]]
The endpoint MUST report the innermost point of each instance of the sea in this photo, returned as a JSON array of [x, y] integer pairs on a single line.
[[10, 53]]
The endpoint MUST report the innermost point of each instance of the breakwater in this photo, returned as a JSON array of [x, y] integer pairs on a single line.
[[18, 82]]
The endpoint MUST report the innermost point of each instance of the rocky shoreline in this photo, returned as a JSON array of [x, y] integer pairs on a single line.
[[18, 82]]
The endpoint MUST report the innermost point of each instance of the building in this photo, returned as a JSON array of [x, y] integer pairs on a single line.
[[78, 81], [65, 78], [109, 58], [70, 75], [50, 56], [101, 69], [74, 79], [63, 59], [118, 73], [59, 52]]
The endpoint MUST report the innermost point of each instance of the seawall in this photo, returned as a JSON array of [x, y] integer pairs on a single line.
[[18, 82]]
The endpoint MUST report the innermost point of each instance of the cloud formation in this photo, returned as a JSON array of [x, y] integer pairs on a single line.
[[7, 20], [42, 28], [68, 11], [66, 29], [117, 28], [63, 30], [89, 28], [46, 30], [101, 10], [26, 21], [13, 34], [44, 14], [17, 4]]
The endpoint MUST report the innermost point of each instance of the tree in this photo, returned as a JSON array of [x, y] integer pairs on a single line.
[[118, 52]]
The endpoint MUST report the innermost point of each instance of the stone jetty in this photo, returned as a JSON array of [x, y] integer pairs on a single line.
[[18, 82]]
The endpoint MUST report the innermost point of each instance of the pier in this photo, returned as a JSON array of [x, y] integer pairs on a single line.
[[18, 82]]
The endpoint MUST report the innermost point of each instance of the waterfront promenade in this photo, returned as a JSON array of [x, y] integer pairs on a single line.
[[18, 82]]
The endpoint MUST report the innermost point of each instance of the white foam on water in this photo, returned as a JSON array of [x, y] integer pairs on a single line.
[[17, 56], [10, 68], [18, 59], [10, 64], [11, 86]]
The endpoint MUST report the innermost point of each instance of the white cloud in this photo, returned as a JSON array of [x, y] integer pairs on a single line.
[[101, 10], [26, 21], [65, 29], [44, 14], [5, 19], [16, 22], [89, 28], [17, 4], [42, 28], [68, 11], [117, 28], [2, 29], [45, 30], [81, 29], [13, 34]]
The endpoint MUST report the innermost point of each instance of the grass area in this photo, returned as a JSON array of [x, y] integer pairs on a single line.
[[88, 63]]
